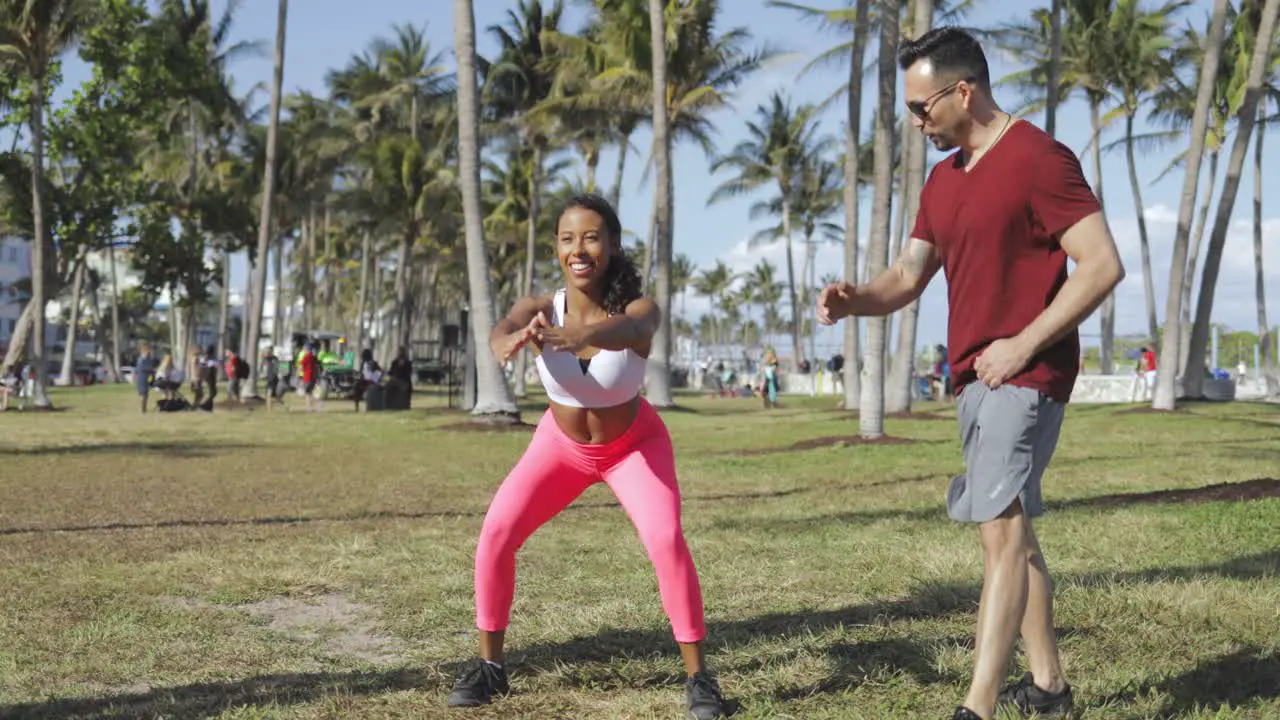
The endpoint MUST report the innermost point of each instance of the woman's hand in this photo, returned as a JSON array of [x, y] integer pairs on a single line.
[[566, 339], [507, 346]]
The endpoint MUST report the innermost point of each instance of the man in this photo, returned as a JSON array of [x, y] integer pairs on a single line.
[[309, 370], [1000, 216], [142, 372]]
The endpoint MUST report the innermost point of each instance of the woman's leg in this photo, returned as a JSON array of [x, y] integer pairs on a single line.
[[543, 482], [645, 484]]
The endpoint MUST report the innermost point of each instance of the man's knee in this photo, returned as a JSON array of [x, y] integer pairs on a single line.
[[1007, 533]]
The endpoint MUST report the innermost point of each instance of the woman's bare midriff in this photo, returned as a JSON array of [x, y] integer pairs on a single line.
[[595, 426]]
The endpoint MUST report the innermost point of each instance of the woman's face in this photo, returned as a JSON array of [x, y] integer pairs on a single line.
[[583, 246]]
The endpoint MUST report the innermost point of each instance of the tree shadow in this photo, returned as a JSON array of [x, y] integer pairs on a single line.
[[203, 700], [177, 449], [1265, 564], [1232, 681], [855, 663], [361, 517]]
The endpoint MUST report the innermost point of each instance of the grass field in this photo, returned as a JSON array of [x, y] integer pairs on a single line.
[[245, 565]]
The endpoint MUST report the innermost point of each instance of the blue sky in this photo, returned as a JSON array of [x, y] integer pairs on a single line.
[[323, 34]]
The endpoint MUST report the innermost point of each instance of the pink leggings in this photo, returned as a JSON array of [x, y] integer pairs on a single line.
[[640, 469]]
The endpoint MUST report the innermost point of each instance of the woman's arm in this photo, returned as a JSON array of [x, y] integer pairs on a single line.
[[633, 330]]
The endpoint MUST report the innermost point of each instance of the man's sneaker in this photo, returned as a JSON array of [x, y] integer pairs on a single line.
[[479, 685], [703, 693], [1027, 698], [964, 713]]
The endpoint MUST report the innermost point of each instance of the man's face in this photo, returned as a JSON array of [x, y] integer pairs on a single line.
[[939, 105]]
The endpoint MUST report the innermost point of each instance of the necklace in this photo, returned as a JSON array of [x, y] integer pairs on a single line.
[[1007, 122]]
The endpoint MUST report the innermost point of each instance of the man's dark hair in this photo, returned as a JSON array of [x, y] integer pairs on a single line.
[[622, 279], [953, 52]]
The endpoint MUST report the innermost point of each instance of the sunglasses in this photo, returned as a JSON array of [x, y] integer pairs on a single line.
[[921, 108]]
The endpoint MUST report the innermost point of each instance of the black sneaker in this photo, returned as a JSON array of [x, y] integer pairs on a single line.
[[1027, 698], [964, 713], [479, 686], [705, 701]]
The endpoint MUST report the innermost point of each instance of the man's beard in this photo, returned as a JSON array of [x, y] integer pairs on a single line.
[[943, 143]]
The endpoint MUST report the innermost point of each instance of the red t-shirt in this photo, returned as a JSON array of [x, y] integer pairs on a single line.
[[1149, 360], [308, 367], [995, 229]]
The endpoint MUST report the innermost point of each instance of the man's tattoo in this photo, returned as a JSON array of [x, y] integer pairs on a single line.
[[915, 257]]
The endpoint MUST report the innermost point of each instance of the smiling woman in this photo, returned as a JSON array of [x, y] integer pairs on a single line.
[[593, 338]]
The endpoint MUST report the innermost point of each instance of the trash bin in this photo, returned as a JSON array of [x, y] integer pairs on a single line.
[[374, 398]]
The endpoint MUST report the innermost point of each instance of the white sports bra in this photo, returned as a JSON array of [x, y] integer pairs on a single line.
[[611, 377]]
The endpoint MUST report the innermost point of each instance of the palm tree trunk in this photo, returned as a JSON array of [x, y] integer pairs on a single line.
[[309, 268], [592, 161], [1266, 366], [797, 348], [283, 300], [224, 304], [658, 381], [404, 297], [246, 305], [326, 267], [73, 323], [115, 314], [871, 417], [366, 261], [493, 399], [39, 244], [811, 251], [1108, 310], [1055, 63], [531, 254], [1246, 116], [250, 388], [615, 193], [21, 331], [1148, 283], [852, 129], [1193, 262]]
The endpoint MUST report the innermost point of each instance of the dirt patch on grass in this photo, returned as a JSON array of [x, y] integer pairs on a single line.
[[837, 441], [346, 627], [1148, 410], [1256, 489]]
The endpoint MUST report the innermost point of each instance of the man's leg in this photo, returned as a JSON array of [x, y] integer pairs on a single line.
[[1038, 636], [1002, 607]]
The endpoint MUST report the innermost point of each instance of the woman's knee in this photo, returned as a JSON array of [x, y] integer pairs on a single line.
[[499, 537], [665, 545]]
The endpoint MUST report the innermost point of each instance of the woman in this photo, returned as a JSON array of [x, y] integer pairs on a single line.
[[143, 370], [593, 336], [769, 386]]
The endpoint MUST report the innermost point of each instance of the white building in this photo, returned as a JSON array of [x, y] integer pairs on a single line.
[[15, 267]]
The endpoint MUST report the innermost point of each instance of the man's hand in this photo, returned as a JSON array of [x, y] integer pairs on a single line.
[[566, 339], [1002, 360], [834, 302], [508, 346]]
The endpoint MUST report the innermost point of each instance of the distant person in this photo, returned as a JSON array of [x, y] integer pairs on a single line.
[[594, 336], [142, 371], [402, 368], [209, 376], [309, 371], [271, 371], [769, 380], [9, 381], [231, 368], [370, 375], [1002, 215], [195, 363], [836, 366]]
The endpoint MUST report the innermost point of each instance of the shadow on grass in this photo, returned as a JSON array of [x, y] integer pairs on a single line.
[[1256, 489], [203, 700], [359, 517], [1227, 681], [856, 663], [177, 449]]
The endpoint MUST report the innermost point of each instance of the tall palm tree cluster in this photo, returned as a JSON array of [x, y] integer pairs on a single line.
[[420, 180]]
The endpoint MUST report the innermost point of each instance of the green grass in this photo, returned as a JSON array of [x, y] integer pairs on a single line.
[[246, 565]]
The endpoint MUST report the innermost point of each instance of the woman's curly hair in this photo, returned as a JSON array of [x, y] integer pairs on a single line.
[[622, 278]]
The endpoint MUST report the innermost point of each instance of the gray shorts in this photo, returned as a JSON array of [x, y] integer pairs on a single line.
[[1009, 435]]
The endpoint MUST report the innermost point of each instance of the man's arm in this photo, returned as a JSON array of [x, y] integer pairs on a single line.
[[1098, 271], [891, 290]]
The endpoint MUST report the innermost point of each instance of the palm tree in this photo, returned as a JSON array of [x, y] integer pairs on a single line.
[[494, 400], [1054, 70], [33, 33], [518, 81], [855, 22], [1260, 61], [265, 227], [1141, 63], [914, 156], [1260, 291], [871, 416], [714, 284], [682, 270], [779, 140], [659, 379]]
